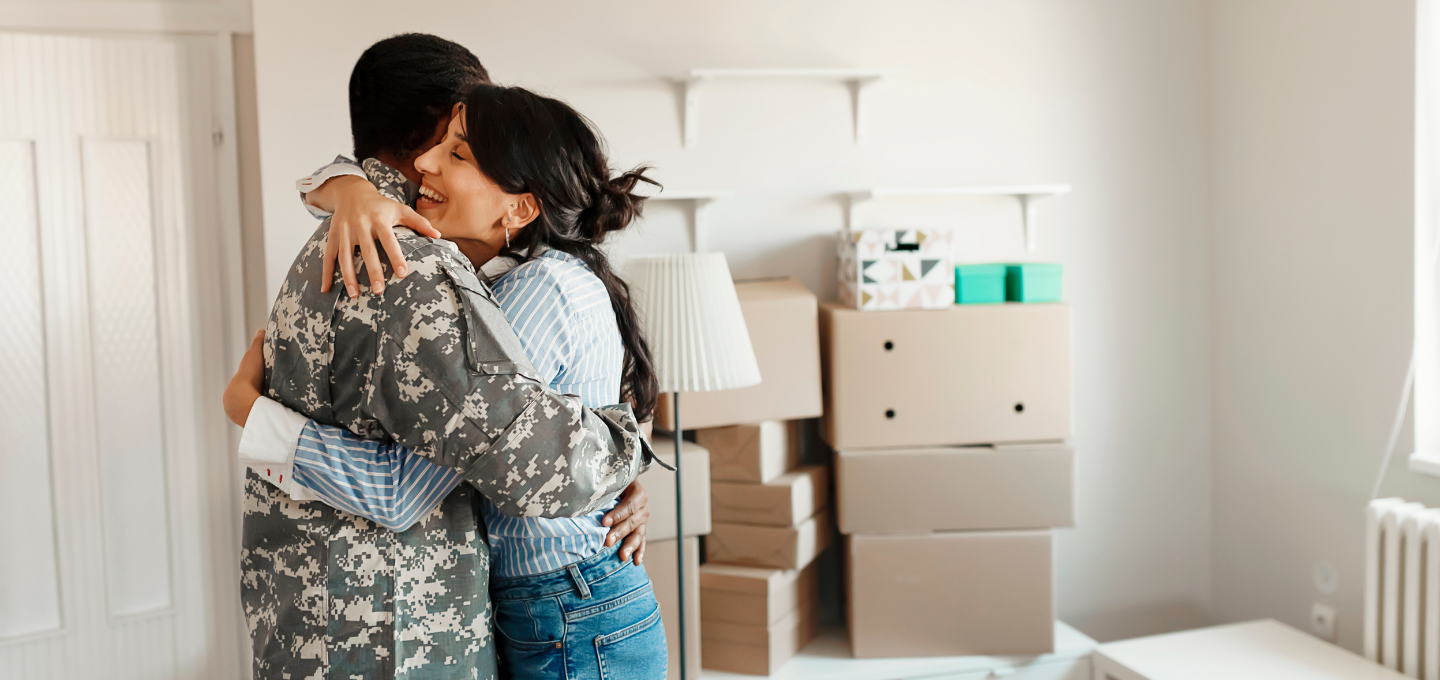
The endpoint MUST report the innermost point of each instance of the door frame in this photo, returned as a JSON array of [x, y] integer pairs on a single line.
[[210, 145]]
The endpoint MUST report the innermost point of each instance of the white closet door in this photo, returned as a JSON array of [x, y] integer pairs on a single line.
[[110, 562]]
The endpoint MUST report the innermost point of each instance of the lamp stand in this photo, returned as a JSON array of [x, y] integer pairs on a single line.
[[679, 530]]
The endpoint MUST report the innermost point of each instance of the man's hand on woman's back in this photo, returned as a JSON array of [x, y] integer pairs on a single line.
[[627, 522]]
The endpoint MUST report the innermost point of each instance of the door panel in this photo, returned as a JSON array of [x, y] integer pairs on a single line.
[[30, 590], [108, 502], [119, 243]]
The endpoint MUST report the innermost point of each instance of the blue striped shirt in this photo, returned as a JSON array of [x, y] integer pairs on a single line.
[[561, 312]]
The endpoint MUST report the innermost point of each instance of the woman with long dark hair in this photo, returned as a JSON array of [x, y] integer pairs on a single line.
[[521, 185]]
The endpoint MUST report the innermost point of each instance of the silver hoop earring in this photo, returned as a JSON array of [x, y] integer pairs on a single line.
[[507, 238]]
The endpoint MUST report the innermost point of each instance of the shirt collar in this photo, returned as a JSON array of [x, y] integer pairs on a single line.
[[501, 265]]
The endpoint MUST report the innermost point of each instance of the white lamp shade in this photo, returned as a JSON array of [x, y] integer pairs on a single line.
[[692, 320]]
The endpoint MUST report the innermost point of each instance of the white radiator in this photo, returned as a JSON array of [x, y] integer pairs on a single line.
[[1402, 587]]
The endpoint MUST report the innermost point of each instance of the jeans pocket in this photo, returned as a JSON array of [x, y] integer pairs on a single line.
[[540, 620], [530, 636], [637, 652], [530, 660]]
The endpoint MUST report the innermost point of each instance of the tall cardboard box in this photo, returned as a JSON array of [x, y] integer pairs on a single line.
[[1028, 486], [780, 316], [659, 483], [784, 501], [752, 452], [971, 374], [775, 547], [952, 593], [660, 565]]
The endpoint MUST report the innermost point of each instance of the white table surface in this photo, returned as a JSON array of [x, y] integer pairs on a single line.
[[828, 658], [1242, 651]]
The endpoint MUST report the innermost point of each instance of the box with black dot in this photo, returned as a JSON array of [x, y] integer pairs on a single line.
[[971, 374]]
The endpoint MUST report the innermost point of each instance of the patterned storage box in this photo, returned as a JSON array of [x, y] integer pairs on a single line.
[[885, 269]]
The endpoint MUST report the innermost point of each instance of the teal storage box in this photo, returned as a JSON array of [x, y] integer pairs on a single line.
[[980, 284], [1032, 282]]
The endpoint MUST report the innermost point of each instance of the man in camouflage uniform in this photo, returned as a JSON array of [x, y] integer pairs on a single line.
[[433, 363]]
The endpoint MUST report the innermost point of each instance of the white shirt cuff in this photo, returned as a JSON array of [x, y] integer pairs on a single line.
[[268, 444], [325, 174]]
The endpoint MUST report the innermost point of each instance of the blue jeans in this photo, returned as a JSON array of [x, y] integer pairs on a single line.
[[597, 618]]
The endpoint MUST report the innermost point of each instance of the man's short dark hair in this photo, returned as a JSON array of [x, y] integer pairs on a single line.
[[402, 87]]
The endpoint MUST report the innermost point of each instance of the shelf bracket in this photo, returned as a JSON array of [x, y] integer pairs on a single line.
[[1027, 218], [860, 102], [691, 113], [699, 225], [698, 207]]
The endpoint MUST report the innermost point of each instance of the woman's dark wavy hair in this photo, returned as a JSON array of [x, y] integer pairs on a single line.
[[527, 143]]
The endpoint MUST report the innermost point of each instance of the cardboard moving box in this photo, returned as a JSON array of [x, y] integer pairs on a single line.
[[757, 650], [780, 316], [776, 547], [952, 488], [660, 484], [660, 565], [755, 596], [952, 594], [753, 452], [971, 374], [784, 501]]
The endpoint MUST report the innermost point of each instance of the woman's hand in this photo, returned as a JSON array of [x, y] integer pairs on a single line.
[[627, 521], [245, 387], [363, 216]]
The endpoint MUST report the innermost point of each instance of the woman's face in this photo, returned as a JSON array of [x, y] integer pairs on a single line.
[[461, 202]]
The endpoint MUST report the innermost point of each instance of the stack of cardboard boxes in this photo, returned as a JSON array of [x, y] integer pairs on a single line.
[[951, 470], [770, 514], [758, 591]]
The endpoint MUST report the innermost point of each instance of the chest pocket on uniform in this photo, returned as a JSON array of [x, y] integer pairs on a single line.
[[491, 347]]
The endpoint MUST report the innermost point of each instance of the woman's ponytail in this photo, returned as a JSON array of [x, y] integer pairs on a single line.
[[616, 204]]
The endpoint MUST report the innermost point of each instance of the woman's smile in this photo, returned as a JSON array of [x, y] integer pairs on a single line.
[[429, 197]]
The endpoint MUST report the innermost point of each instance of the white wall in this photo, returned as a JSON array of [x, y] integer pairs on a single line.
[[1312, 264], [1105, 94]]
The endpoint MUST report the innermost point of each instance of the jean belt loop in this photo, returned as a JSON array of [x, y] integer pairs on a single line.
[[579, 580]]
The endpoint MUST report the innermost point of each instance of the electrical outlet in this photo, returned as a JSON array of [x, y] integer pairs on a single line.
[[1322, 621]]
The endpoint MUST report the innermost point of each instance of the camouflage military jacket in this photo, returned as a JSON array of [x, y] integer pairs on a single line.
[[431, 362]]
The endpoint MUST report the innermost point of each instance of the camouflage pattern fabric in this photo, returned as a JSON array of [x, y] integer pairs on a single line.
[[433, 363]]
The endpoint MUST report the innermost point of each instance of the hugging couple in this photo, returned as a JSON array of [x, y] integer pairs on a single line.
[[450, 447]]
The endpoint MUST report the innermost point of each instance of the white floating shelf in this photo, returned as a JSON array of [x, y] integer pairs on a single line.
[[858, 79], [1027, 194], [699, 207]]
